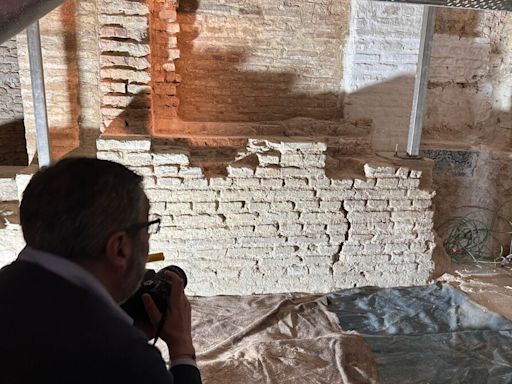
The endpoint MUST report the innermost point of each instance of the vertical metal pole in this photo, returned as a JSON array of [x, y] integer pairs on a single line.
[[38, 94], [420, 86]]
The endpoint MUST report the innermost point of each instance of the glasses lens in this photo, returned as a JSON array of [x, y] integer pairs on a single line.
[[154, 227]]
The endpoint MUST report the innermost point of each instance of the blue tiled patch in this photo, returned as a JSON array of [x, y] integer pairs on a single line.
[[454, 163]]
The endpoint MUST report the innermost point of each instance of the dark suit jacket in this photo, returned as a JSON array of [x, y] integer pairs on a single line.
[[53, 331]]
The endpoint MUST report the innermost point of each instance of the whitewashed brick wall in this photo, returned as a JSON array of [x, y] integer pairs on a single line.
[[276, 223], [380, 65], [11, 239]]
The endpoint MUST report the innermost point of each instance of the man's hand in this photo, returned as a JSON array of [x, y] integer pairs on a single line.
[[177, 330]]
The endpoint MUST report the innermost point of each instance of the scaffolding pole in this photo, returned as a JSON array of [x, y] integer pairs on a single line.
[[420, 86], [38, 94]]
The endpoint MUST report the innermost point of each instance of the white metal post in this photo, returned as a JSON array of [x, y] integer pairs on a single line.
[[420, 86], [38, 94]]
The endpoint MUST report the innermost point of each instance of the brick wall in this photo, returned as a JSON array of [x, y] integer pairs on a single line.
[[469, 115], [12, 130], [262, 60], [125, 66], [277, 223], [380, 65], [70, 59], [469, 85], [286, 216], [164, 28], [88, 64], [11, 238]]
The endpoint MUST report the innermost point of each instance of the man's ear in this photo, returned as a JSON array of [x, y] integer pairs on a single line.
[[118, 251]]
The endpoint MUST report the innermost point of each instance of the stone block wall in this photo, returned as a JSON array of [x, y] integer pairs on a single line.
[[277, 223], [12, 129]]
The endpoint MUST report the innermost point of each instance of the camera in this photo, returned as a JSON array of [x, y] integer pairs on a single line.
[[156, 285]]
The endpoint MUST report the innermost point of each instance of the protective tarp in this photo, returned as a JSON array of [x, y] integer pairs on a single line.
[[430, 334], [276, 339]]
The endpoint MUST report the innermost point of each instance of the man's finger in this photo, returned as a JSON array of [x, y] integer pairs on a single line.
[[151, 309], [177, 293], [177, 284], [174, 277]]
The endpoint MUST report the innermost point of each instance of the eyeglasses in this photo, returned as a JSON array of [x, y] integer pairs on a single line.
[[153, 225]]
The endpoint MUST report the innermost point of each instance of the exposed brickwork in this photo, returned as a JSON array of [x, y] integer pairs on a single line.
[[12, 131], [125, 73], [460, 93], [58, 43], [277, 223], [88, 64], [469, 111], [260, 60], [471, 82], [380, 65], [11, 239], [70, 61], [288, 215], [164, 52]]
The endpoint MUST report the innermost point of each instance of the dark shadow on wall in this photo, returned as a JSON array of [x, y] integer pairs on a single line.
[[62, 84], [13, 145], [64, 130], [68, 12], [216, 88], [458, 22], [134, 119]]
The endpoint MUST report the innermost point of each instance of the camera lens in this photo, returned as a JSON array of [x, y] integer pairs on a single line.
[[180, 272]]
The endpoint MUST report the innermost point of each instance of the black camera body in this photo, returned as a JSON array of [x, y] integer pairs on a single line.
[[158, 287]]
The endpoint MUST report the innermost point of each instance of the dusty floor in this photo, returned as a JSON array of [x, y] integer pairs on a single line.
[[487, 285]]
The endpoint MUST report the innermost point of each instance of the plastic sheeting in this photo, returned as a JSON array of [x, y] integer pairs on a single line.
[[431, 334], [277, 339]]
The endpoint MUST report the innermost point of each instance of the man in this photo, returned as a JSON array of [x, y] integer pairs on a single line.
[[85, 222]]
